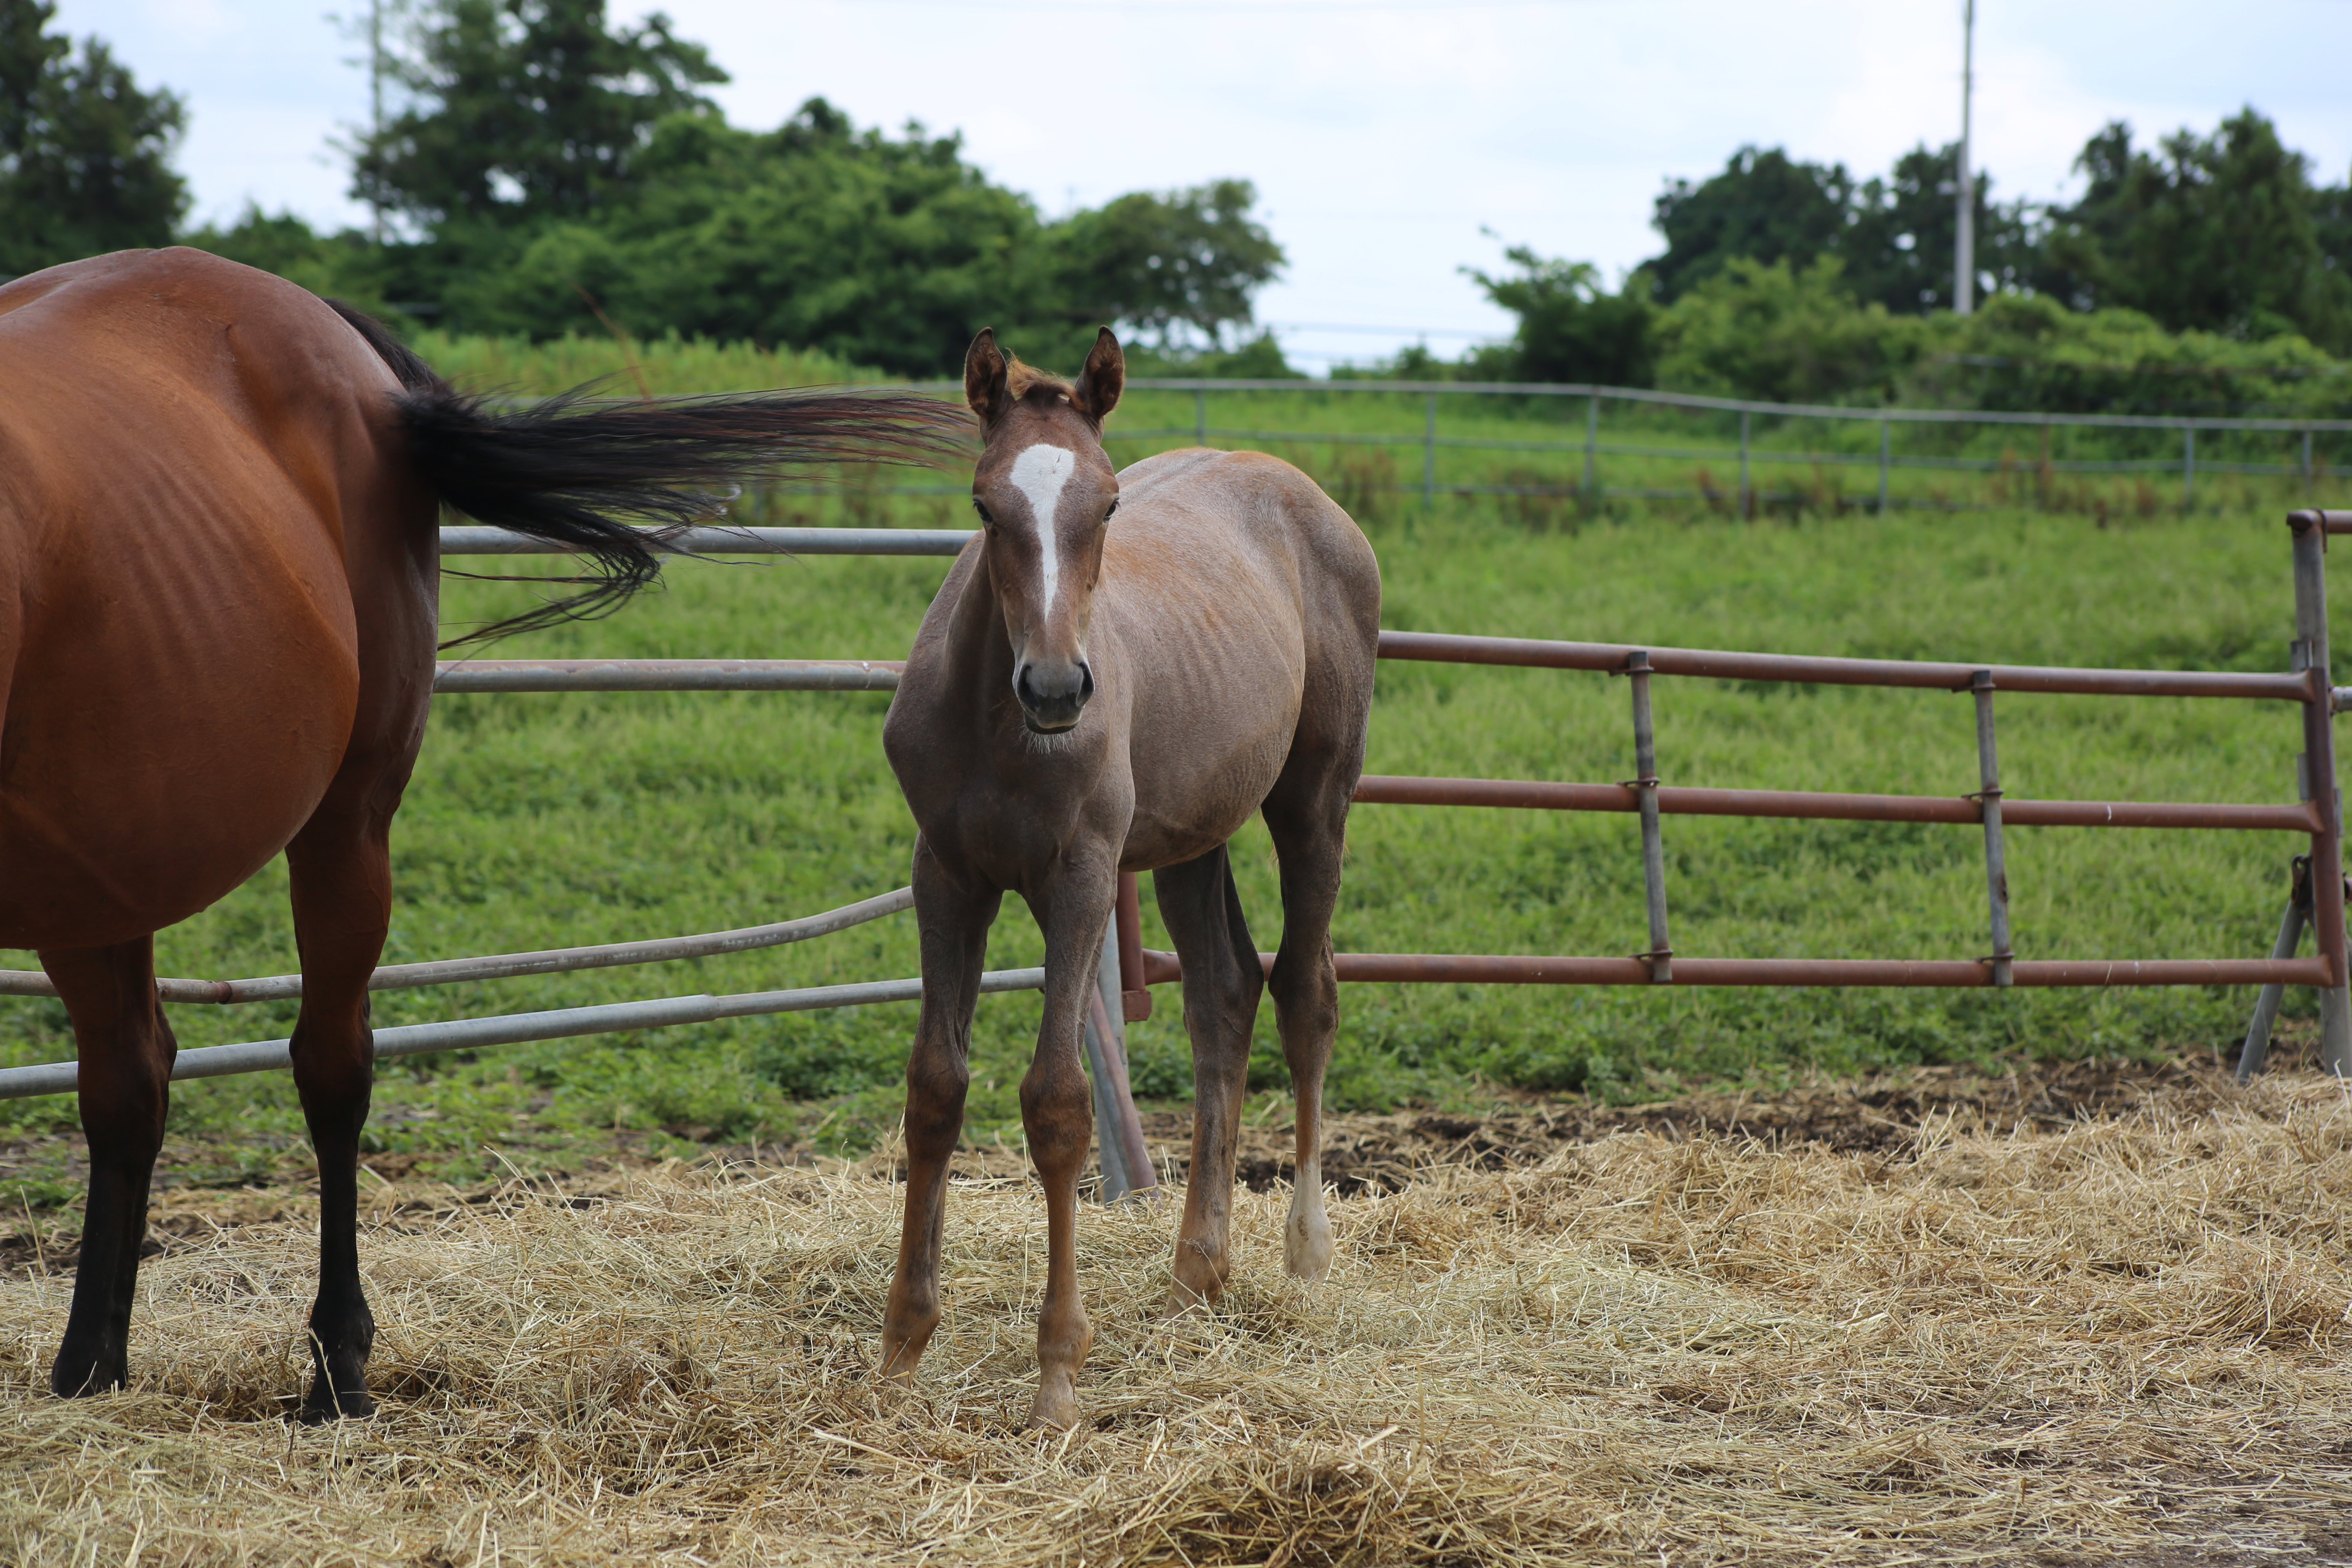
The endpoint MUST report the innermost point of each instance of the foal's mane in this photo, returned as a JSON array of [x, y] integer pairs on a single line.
[[1027, 383]]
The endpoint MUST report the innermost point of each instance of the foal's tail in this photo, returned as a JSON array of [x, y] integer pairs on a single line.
[[564, 470]]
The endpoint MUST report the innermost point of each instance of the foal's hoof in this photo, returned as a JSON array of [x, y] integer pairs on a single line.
[[1306, 1245], [1056, 1409], [325, 1405], [1180, 1301], [1199, 1276]]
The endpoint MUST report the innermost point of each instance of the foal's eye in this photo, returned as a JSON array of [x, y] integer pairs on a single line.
[[1110, 509], [980, 507]]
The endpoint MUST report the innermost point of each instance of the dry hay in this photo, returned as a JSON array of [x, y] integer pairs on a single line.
[[2124, 1339]]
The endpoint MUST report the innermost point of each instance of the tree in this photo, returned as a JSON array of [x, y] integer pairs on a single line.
[[1571, 328], [526, 110], [85, 154], [1900, 235], [883, 251], [1765, 206], [560, 174], [2219, 234], [1171, 265], [1785, 334]]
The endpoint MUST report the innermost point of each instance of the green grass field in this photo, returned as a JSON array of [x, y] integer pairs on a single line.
[[1365, 445], [547, 820]]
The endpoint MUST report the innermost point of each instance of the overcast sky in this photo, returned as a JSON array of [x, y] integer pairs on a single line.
[[1385, 136]]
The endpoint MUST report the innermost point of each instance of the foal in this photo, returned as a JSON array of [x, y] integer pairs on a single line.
[[1086, 698]]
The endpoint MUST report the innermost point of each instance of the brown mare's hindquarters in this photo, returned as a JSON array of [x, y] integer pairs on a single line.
[[217, 505], [1090, 695]]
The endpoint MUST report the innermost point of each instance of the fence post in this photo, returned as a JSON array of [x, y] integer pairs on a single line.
[[2187, 467], [1127, 924], [1885, 443], [2306, 454], [2319, 773], [1745, 509], [1591, 450], [1429, 455], [1119, 1132], [1653, 850], [1200, 417], [1989, 804], [2257, 1045]]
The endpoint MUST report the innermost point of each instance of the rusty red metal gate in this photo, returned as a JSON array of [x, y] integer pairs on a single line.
[[2318, 815]]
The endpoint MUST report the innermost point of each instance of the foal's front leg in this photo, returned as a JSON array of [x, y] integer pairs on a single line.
[[1057, 1113], [953, 920]]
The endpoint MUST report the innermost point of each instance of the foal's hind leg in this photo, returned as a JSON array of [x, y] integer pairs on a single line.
[[341, 866], [1204, 914], [1307, 816], [126, 1050]]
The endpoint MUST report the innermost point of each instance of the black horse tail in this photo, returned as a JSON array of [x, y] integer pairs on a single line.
[[566, 470]]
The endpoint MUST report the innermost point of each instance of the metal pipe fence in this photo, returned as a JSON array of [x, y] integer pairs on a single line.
[[1747, 453], [1128, 970], [1658, 965]]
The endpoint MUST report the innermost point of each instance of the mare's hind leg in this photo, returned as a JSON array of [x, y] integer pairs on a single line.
[[1307, 816], [340, 866], [953, 922], [126, 1050], [1204, 914]]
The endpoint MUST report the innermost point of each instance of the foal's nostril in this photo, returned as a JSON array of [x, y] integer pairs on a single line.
[[1086, 681]]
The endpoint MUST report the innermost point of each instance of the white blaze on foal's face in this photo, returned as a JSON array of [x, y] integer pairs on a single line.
[[1039, 473]]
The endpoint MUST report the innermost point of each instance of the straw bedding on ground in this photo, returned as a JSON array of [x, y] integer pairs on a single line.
[[2121, 1339]]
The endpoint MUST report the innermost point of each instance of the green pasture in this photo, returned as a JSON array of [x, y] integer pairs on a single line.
[[547, 820], [1522, 456], [542, 820]]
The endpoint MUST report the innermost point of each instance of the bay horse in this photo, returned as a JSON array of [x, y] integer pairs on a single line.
[[1088, 696], [219, 499]]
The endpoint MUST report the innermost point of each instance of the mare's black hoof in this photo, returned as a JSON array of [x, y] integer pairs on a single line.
[[325, 1405], [80, 1376]]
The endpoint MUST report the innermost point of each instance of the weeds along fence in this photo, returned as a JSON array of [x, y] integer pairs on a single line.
[[1127, 971], [1546, 452]]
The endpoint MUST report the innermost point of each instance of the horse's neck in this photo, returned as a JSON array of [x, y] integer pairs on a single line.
[[980, 650]]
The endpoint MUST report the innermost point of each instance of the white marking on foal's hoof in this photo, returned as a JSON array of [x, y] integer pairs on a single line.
[[1306, 1239], [1306, 1247]]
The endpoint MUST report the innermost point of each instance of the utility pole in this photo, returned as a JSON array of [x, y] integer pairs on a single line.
[[376, 98], [1964, 253]]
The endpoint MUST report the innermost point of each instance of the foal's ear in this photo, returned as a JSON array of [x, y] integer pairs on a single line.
[[1097, 392], [983, 376]]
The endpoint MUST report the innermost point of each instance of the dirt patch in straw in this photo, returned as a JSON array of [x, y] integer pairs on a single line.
[[2113, 1339], [1875, 1114]]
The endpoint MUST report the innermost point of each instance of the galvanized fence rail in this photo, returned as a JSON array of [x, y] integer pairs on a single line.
[[1127, 970], [1747, 455]]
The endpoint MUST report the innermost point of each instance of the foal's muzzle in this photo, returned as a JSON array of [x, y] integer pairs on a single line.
[[1052, 696]]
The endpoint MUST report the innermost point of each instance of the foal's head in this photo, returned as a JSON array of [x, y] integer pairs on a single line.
[[1044, 489]]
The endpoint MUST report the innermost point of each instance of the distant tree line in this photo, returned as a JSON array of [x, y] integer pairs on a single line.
[[551, 172], [547, 171], [2207, 272]]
